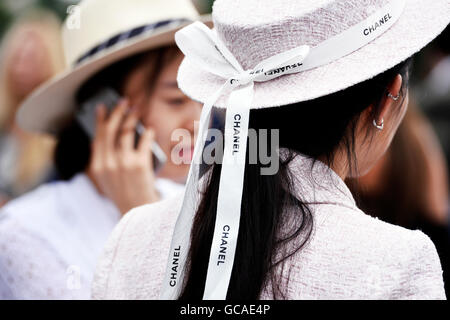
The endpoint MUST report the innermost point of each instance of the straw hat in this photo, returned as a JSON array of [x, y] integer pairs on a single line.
[[96, 35], [254, 30]]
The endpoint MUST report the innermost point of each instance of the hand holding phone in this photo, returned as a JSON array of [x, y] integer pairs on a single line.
[[120, 162], [109, 98]]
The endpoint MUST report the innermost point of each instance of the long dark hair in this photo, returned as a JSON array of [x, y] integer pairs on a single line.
[[314, 128]]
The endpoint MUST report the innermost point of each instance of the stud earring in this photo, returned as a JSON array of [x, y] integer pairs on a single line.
[[378, 126]]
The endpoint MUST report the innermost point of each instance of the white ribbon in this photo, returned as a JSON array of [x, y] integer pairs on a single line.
[[202, 47]]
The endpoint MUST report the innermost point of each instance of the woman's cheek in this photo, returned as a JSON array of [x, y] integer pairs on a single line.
[[166, 120]]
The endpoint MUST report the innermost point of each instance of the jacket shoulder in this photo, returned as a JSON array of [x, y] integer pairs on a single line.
[[136, 251], [27, 203], [382, 260]]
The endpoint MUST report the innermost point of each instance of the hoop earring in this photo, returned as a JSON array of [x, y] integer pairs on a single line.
[[392, 97], [379, 126]]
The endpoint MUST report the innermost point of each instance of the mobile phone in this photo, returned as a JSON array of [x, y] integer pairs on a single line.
[[110, 98]]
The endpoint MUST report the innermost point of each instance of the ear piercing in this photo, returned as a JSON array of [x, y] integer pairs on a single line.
[[392, 97], [378, 126], [381, 125]]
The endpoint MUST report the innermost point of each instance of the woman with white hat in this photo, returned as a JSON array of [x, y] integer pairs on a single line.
[[332, 77], [121, 56]]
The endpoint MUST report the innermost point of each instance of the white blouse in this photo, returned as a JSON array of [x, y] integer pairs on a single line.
[[349, 255], [51, 238]]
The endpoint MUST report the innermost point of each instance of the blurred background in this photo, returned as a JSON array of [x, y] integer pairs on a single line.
[[11, 9], [408, 187], [30, 54]]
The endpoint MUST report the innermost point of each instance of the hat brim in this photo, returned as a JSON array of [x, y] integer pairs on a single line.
[[50, 106], [420, 23]]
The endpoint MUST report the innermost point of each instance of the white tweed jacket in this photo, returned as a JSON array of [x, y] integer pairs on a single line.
[[350, 255]]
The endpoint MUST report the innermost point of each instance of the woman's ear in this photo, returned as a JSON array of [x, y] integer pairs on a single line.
[[388, 101]]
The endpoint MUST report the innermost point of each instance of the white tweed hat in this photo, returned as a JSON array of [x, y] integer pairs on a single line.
[[254, 30]]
